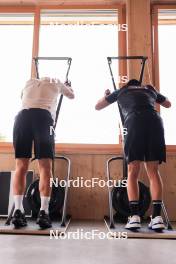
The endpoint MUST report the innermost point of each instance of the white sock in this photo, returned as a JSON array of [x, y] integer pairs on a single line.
[[45, 203], [18, 200]]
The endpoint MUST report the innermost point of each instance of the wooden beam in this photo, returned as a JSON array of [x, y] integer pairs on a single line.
[[155, 46], [167, 22], [122, 41], [139, 41], [17, 9], [164, 6], [36, 33], [81, 6], [156, 80]]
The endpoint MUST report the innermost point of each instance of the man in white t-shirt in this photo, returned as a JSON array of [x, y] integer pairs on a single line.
[[33, 125]]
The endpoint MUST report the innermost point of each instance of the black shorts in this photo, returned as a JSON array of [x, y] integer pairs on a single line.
[[33, 126], [145, 139]]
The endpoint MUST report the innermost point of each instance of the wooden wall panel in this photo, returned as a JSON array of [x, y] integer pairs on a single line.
[[168, 173], [92, 203], [80, 199]]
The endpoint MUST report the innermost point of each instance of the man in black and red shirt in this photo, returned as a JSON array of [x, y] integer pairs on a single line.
[[143, 142]]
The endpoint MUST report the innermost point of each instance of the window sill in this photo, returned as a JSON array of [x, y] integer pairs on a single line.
[[7, 147]]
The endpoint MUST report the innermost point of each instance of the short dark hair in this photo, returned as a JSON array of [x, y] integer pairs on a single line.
[[133, 82]]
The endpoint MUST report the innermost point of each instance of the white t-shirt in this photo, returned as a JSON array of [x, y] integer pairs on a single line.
[[43, 93]]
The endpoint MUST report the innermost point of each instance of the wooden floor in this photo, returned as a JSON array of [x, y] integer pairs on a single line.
[[143, 232]]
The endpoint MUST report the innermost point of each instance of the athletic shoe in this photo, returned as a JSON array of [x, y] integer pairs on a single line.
[[156, 223], [19, 219], [134, 222], [43, 220]]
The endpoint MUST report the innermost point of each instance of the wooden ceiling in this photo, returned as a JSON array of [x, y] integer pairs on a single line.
[[73, 2]]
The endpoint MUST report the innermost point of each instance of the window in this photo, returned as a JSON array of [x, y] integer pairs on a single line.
[[88, 38], [16, 33], [167, 67]]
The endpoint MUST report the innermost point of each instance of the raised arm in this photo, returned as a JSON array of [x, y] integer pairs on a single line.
[[66, 89], [166, 103], [161, 99], [108, 99], [102, 103]]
